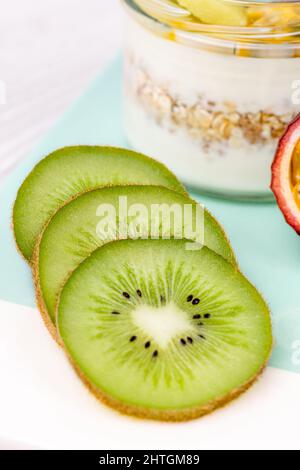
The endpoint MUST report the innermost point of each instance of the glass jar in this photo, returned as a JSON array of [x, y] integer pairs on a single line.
[[211, 101]]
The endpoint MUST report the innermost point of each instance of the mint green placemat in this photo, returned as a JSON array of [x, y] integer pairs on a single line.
[[268, 250]]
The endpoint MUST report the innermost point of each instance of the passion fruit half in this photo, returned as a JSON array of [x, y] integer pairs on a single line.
[[286, 174]]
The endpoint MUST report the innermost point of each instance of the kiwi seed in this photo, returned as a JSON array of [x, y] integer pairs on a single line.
[[194, 373]]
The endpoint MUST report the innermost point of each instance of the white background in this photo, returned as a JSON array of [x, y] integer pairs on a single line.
[[44, 405], [49, 52]]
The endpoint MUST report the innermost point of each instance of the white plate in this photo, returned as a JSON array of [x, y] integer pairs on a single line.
[[44, 405]]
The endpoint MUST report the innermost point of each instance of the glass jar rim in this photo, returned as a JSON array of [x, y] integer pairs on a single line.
[[169, 14], [263, 2]]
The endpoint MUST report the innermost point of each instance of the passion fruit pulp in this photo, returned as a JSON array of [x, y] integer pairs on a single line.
[[295, 174], [286, 174]]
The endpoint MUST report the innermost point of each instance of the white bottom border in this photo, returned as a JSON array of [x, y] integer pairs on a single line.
[[44, 405]]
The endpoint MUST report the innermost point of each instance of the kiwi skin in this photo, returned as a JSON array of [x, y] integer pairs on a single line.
[[35, 265], [38, 292], [188, 414], [181, 189], [175, 416]]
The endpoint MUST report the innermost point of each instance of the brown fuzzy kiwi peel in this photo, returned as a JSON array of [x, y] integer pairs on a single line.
[[38, 292], [181, 189], [174, 416], [34, 264], [139, 412]]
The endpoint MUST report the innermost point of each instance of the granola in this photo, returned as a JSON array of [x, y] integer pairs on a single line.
[[206, 120]]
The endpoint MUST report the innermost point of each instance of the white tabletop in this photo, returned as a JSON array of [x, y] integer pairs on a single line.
[[50, 51], [44, 405]]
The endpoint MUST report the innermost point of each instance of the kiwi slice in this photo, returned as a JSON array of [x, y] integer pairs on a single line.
[[74, 232], [217, 12], [71, 171], [161, 332]]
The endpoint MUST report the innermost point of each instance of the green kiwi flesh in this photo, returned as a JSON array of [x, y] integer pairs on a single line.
[[73, 233], [161, 332], [70, 171]]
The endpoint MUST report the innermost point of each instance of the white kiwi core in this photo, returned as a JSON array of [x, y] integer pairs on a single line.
[[162, 324]]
